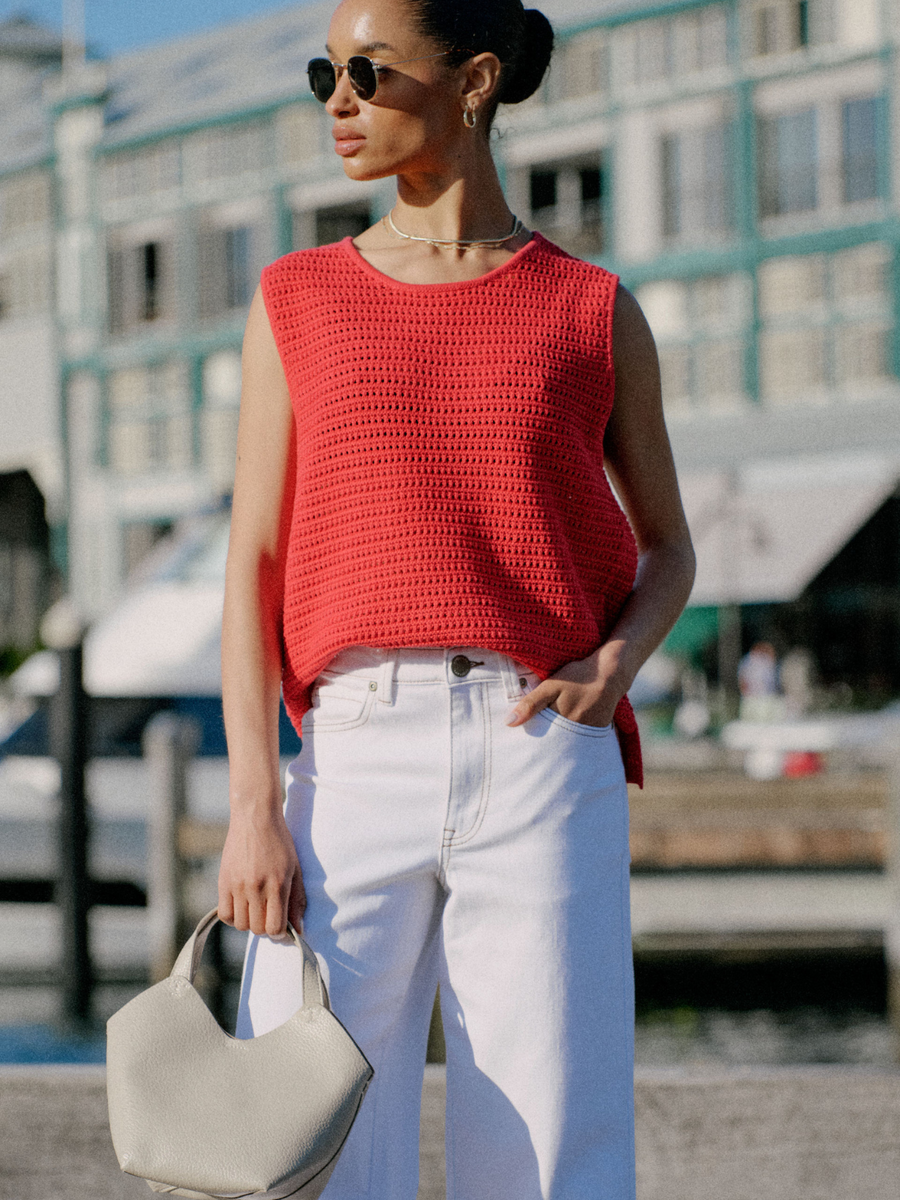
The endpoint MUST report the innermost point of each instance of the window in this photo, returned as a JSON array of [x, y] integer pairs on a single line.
[[700, 326], [227, 277], [238, 281], [669, 48], [566, 201], [138, 284], [826, 321], [323, 226], [543, 192], [860, 161], [150, 419], [581, 66], [782, 26], [788, 163], [701, 39], [149, 263], [767, 29], [801, 173], [221, 400], [697, 183], [334, 224]]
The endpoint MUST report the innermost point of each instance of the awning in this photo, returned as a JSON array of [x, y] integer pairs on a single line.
[[764, 530]]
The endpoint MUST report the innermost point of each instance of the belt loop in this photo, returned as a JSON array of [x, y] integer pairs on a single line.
[[386, 677], [510, 677]]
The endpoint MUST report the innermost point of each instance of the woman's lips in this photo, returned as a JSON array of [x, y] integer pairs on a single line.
[[347, 142]]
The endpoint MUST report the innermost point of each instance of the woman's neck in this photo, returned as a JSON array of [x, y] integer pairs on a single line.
[[468, 206]]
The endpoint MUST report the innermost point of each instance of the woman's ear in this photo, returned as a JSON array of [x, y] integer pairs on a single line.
[[481, 79]]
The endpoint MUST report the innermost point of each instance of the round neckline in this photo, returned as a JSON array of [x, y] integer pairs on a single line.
[[363, 263]]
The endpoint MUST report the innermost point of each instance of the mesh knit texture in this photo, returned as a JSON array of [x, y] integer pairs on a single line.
[[450, 488]]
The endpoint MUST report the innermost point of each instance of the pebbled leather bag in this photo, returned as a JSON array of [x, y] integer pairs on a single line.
[[199, 1113]]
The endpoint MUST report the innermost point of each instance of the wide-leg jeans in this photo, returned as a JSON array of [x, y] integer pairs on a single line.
[[440, 846]]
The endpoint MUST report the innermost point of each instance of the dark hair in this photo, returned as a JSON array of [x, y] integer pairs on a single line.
[[521, 38]]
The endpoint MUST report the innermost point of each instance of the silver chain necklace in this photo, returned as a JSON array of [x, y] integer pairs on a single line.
[[459, 243]]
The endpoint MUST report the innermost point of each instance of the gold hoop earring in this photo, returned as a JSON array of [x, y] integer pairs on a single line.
[[470, 118]]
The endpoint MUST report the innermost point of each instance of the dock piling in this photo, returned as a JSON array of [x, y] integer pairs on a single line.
[[892, 925], [170, 742], [69, 739]]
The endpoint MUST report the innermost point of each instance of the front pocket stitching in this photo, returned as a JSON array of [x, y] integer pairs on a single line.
[[327, 726]]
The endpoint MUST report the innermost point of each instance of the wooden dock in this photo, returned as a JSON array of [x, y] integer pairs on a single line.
[[720, 861], [723, 820]]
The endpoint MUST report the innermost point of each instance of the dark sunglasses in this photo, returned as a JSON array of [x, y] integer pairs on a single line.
[[361, 71]]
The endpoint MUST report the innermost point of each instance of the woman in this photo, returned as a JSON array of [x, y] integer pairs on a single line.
[[427, 556]]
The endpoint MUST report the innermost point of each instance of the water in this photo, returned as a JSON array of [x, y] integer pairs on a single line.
[[680, 1037], [761, 1037], [778, 1009], [43, 1044], [673, 1036]]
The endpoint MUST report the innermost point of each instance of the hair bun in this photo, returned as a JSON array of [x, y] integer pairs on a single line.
[[532, 63]]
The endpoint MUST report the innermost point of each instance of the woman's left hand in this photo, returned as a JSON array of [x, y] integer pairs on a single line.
[[586, 691]]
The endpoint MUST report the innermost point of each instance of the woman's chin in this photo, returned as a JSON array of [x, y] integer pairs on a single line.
[[360, 171]]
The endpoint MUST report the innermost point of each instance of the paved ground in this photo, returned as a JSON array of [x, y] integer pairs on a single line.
[[813, 1134]]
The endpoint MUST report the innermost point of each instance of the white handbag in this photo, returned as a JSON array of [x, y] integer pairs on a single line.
[[199, 1113]]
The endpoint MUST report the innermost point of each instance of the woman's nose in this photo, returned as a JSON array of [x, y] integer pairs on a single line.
[[343, 101]]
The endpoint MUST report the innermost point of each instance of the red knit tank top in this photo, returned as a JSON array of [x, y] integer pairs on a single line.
[[450, 488]]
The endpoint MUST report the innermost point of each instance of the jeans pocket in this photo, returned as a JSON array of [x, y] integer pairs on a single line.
[[555, 718], [340, 702], [529, 682]]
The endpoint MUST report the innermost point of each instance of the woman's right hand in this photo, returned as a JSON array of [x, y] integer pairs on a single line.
[[260, 881]]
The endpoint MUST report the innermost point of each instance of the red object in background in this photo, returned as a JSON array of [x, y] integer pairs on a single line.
[[800, 763]]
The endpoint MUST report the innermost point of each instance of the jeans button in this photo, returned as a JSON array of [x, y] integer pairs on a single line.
[[460, 665]]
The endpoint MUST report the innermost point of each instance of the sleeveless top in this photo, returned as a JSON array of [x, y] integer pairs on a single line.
[[450, 488]]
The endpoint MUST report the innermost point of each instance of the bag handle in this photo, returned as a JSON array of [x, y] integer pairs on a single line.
[[187, 962]]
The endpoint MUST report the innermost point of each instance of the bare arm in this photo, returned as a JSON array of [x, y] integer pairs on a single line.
[[639, 462], [260, 885]]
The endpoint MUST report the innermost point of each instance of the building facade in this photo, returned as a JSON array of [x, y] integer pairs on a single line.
[[736, 161]]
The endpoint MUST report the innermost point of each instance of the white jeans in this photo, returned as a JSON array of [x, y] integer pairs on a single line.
[[438, 845]]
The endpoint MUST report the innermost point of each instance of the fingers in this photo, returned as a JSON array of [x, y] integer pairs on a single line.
[[243, 912], [542, 696], [226, 907], [287, 904], [297, 900], [259, 878], [250, 913], [571, 700]]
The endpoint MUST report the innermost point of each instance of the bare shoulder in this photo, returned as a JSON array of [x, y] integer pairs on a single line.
[[258, 335], [637, 453], [261, 364], [264, 429], [633, 344], [635, 361]]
